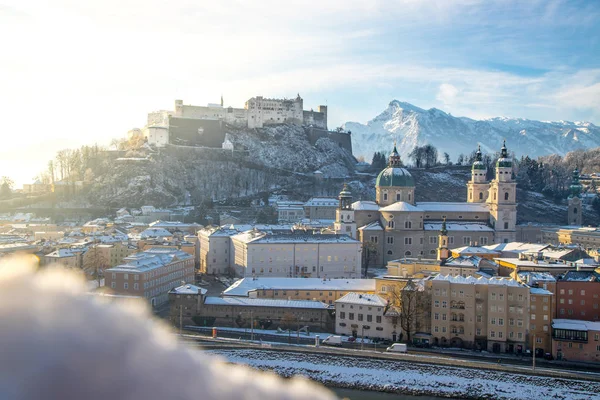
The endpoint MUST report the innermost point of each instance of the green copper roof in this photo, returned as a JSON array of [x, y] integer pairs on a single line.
[[395, 177]]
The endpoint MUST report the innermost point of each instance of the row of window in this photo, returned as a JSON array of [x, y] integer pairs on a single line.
[[360, 317]]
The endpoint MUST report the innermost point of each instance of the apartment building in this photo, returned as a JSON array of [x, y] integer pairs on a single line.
[[321, 208], [214, 250], [365, 315], [185, 302], [151, 274], [64, 257], [481, 313], [323, 290], [577, 295]]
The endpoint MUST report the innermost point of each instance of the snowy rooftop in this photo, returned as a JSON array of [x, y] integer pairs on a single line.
[[575, 325], [60, 253], [373, 226], [322, 201], [581, 276], [516, 247], [243, 286], [478, 281], [401, 206], [532, 277], [155, 232], [10, 247], [530, 263], [260, 237], [188, 289], [365, 206], [463, 261], [452, 207], [474, 250], [363, 299], [540, 291], [458, 226], [174, 224], [249, 302], [150, 259]]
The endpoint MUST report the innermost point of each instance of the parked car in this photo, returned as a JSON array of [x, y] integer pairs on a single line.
[[352, 339], [548, 356]]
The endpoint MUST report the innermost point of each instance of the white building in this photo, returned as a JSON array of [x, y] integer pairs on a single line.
[[255, 253], [363, 315]]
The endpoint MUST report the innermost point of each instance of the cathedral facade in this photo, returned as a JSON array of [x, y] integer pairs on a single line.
[[395, 226]]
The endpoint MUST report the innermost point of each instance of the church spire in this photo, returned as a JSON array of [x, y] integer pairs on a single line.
[[444, 230], [221, 100], [394, 159]]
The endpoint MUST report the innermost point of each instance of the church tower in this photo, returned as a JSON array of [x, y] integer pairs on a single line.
[[478, 187], [443, 253], [575, 216], [502, 200], [344, 215]]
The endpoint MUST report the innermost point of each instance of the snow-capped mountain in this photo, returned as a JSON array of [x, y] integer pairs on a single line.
[[412, 126]]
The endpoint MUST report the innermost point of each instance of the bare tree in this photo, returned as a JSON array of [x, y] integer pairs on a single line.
[[94, 263], [410, 301]]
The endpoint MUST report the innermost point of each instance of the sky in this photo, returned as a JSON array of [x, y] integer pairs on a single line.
[[81, 72]]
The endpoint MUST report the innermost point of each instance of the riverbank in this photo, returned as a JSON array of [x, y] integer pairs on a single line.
[[411, 378]]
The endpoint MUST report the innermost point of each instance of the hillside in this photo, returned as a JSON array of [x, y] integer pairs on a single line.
[[412, 126], [264, 160]]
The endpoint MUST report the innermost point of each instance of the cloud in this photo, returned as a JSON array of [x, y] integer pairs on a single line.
[[59, 343], [447, 93]]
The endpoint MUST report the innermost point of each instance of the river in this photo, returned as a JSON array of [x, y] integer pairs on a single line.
[[353, 394]]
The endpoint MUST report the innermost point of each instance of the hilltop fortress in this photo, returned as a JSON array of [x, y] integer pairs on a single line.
[[204, 125]]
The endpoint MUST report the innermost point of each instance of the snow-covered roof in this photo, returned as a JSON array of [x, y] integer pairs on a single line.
[[540, 291], [463, 261], [261, 237], [474, 250], [250, 302], [363, 299], [11, 247], [150, 259], [365, 206], [155, 232], [400, 206], [458, 226], [173, 224], [188, 289], [60, 253], [531, 277], [373, 226], [581, 276], [517, 247], [530, 263], [452, 207], [322, 202], [575, 325], [479, 281], [243, 286]]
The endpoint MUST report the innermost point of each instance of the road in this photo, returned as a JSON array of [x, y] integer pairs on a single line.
[[455, 360]]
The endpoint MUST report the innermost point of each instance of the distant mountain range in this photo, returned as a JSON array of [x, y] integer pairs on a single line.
[[413, 126]]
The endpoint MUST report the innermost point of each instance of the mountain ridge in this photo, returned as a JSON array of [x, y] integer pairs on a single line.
[[413, 126]]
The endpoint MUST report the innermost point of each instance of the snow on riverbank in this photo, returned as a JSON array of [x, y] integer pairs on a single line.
[[409, 378]]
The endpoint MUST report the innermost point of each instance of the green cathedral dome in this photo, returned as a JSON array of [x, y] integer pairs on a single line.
[[395, 177]]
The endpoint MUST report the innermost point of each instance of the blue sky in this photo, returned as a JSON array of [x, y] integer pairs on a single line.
[[84, 72]]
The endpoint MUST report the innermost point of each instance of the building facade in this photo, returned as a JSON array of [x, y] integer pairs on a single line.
[[151, 274], [480, 313], [576, 340], [364, 316], [578, 295]]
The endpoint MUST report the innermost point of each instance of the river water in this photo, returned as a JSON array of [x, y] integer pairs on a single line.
[[353, 394]]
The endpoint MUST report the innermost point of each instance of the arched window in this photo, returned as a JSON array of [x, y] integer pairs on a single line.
[[480, 196], [385, 196], [575, 210], [471, 196], [407, 225], [409, 197], [348, 216], [494, 195], [506, 196], [390, 252], [407, 253], [398, 197], [431, 251], [506, 225]]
